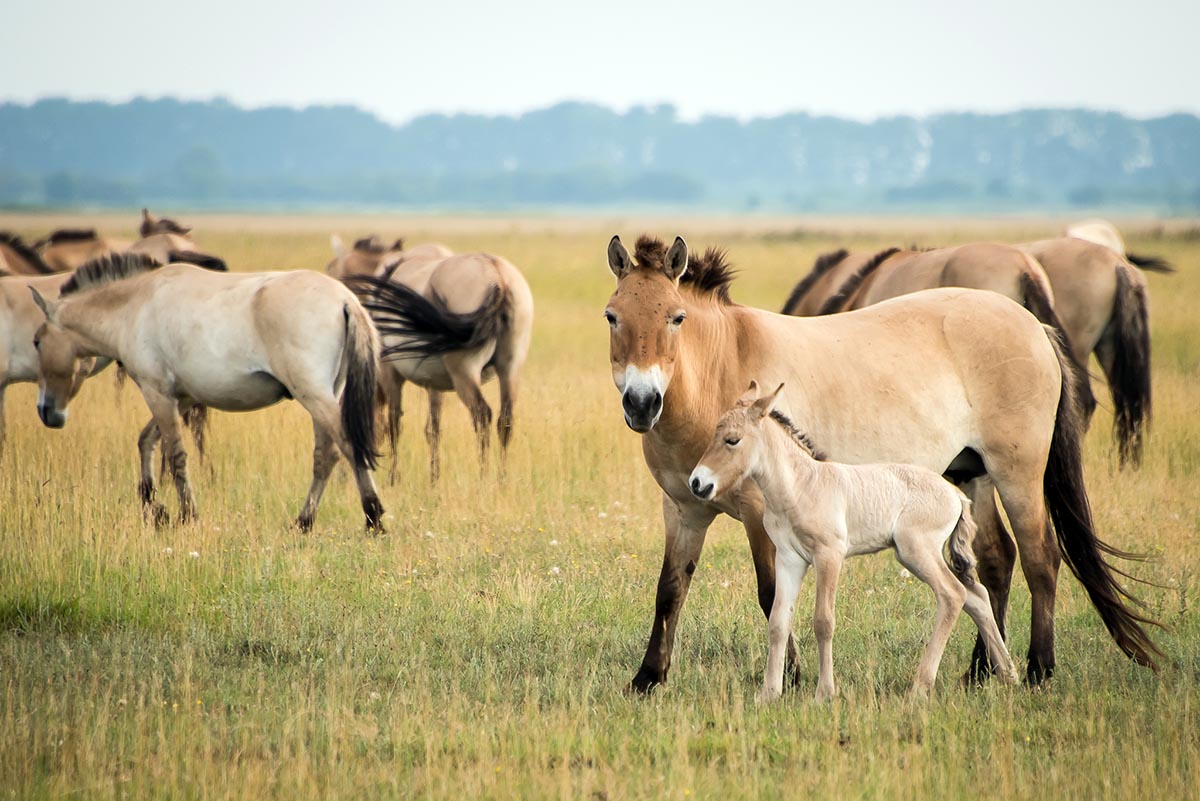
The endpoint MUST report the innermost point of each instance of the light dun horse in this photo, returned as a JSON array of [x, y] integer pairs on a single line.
[[18, 258], [819, 513], [1102, 232], [926, 379], [451, 324], [69, 248], [263, 337], [370, 256]]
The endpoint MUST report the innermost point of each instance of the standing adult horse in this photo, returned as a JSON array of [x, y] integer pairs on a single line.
[[370, 255], [68, 248], [1102, 232], [232, 342], [18, 258], [451, 324], [925, 379]]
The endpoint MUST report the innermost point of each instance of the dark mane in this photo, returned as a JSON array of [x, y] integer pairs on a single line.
[[106, 270], [797, 436], [69, 235], [164, 225], [839, 299], [24, 251], [370, 244], [709, 273], [398, 244], [824, 263]]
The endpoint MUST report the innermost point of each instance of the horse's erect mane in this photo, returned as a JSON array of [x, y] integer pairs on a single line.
[[796, 435], [24, 251], [370, 244], [709, 273], [70, 235], [108, 269], [838, 299], [172, 227], [824, 263]]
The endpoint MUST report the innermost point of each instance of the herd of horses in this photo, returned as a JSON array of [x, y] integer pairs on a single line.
[[918, 361]]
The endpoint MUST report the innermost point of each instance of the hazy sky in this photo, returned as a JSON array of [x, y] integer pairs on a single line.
[[741, 57]]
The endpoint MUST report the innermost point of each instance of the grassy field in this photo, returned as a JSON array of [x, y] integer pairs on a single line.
[[481, 647]]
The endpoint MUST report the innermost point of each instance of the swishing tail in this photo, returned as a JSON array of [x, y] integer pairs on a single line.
[[1154, 264], [199, 259], [425, 327], [1071, 514], [962, 555], [1124, 351], [1038, 302], [361, 357]]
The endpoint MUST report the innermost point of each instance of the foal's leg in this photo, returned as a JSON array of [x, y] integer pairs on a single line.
[[975, 600], [920, 550], [147, 440], [997, 555], [789, 575], [828, 567], [762, 550], [433, 434]]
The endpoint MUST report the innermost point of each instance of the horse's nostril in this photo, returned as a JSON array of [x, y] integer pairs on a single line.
[[656, 403], [695, 485]]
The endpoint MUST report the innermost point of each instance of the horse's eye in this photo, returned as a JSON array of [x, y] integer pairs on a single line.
[[612, 318], [678, 319], [732, 441], [37, 343]]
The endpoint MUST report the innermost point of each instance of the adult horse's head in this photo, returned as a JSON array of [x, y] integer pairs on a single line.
[[645, 315], [59, 356]]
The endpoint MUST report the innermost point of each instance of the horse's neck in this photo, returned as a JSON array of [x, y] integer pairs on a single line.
[[100, 318]]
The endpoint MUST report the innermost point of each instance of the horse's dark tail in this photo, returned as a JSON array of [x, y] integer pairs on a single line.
[[361, 357], [1124, 351], [1071, 514], [1037, 300], [204, 260], [1155, 264], [425, 327]]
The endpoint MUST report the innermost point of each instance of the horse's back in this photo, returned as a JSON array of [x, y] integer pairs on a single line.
[[1101, 232]]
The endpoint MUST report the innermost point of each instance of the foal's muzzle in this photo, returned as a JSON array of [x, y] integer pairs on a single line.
[[51, 417], [702, 483], [642, 409]]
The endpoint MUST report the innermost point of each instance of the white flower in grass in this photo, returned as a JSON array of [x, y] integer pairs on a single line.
[[904, 574], [554, 571], [553, 543], [168, 550], [603, 515], [193, 554]]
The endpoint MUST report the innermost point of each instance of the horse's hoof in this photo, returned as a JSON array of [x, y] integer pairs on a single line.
[[765, 696], [305, 522], [645, 681], [160, 515], [1037, 674]]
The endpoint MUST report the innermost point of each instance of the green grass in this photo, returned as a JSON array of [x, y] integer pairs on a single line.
[[238, 658]]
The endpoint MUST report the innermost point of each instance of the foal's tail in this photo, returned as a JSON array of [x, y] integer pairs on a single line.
[[1071, 514], [1128, 341], [1037, 300], [361, 357], [962, 554]]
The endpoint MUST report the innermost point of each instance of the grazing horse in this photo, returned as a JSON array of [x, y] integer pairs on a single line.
[[18, 258], [926, 378], [451, 324], [69, 248], [1103, 302], [841, 282], [1102, 232], [370, 256], [266, 337], [19, 320], [819, 513]]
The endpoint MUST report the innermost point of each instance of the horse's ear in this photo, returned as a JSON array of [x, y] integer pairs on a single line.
[[766, 404], [147, 216], [337, 245], [43, 304], [750, 395], [398, 244], [677, 259], [618, 258]]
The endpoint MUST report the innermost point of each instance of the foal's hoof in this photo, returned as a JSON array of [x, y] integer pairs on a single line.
[[767, 696]]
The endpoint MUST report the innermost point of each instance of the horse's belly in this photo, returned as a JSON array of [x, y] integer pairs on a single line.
[[431, 373], [249, 392]]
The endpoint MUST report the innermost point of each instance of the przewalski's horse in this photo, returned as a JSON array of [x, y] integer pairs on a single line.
[[152, 225], [926, 378], [267, 337], [820, 513], [370, 255], [451, 324], [1104, 306], [843, 282], [68, 248], [1102, 232], [168, 242], [18, 258], [19, 320]]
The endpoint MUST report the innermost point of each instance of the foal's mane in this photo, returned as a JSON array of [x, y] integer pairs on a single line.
[[23, 250], [106, 270], [839, 299], [796, 435], [824, 263], [709, 273], [70, 235]]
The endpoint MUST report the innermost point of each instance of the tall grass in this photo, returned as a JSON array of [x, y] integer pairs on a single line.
[[480, 648]]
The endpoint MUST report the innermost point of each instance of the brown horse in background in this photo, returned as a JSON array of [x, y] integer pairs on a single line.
[[70, 248], [926, 379], [18, 258]]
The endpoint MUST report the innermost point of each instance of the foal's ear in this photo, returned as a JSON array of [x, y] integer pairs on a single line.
[[677, 260], [750, 395], [766, 404], [618, 258], [43, 304]]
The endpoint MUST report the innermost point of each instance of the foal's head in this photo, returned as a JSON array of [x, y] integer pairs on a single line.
[[644, 315], [735, 446]]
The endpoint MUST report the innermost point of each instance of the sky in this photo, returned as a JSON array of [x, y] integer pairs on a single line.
[[743, 58]]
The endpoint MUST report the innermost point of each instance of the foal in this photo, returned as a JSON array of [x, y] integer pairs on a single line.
[[818, 513]]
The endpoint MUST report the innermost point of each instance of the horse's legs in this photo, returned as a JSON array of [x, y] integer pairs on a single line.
[[391, 386], [326, 415], [1040, 560], [685, 528], [166, 417], [466, 372], [509, 382], [433, 434], [762, 550], [921, 552], [147, 439], [3, 386], [789, 575], [827, 567], [997, 555], [325, 456], [975, 600]]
